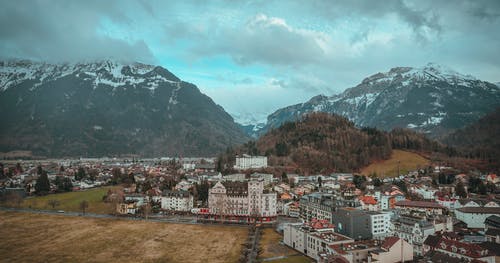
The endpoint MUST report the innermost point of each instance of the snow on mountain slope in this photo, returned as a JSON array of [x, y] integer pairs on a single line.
[[107, 72], [432, 99], [108, 108]]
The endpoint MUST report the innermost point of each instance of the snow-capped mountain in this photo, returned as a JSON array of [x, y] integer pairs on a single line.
[[108, 108], [432, 99]]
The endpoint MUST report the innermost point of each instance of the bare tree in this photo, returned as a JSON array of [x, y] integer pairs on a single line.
[[146, 210], [84, 205], [53, 203]]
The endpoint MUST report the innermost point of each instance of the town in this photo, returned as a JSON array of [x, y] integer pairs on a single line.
[[431, 214]]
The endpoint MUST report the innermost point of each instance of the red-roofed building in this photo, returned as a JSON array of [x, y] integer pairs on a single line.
[[393, 250], [421, 206], [459, 249], [369, 203], [493, 178]]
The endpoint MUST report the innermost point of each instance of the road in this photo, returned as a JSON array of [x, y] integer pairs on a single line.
[[190, 220]]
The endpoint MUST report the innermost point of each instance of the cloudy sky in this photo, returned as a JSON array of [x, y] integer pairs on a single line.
[[253, 57]]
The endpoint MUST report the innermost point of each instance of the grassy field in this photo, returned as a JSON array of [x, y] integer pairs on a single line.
[[388, 168], [70, 201], [293, 259], [55, 238], [270, 245]]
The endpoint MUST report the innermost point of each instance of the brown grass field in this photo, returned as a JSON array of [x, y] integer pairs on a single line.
[[389, 168], [270, 245], [55, 238]]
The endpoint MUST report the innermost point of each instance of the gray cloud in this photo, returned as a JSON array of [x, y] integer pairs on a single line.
[[64, 31]]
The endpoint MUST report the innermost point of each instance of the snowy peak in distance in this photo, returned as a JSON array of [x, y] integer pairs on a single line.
[[108, 72], [432, 99]]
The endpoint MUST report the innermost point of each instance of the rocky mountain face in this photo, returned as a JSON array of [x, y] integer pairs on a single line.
[[432, 99], [108, 108]]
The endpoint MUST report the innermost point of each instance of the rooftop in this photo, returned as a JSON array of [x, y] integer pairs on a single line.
[[419, 204]]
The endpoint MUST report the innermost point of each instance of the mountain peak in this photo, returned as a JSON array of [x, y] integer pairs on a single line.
[[433, 99], [106, 71]]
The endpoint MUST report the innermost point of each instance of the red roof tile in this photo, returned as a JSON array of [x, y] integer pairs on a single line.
[[389, 242]]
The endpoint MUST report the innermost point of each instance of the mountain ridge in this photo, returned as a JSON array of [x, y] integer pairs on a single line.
[[108, 108], [432, 99]]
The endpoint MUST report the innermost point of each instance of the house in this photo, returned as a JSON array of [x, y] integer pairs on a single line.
[[177, 201], [183, 185], [493, 178], [127, 208], [392, 250], [458, 249], [368, 203], [475, 217]]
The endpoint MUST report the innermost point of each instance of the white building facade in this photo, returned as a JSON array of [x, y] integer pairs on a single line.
[[250, 162], [177, 201], [242, 202]]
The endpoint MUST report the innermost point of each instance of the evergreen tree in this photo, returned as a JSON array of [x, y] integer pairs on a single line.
[[460, 190], [42, 184]]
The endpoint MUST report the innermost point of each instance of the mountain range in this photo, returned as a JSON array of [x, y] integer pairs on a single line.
[[433, 99], [106, 107]]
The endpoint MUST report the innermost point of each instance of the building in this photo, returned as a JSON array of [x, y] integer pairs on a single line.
[[414, 230], [353, 223], [475, 217], [250, 162], [458, 249], [312, 238], [242, 202], [268, 178], [318, 206], [380, 224], [235, 177], [360, 224], [393, 250], [429, 208], [177, 201], [492, 229], [354, 252]]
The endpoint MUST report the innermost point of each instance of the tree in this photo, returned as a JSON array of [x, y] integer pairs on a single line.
[[320, 181], [53, 203], [63, 184], [146, 210], [84, 205], [481, 189], [402, 185], [460, 190], [42, 184], [202, 190], [377, 182], [80, 174], [19, 168]]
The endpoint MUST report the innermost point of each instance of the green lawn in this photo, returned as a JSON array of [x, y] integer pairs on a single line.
[[70, 201]]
